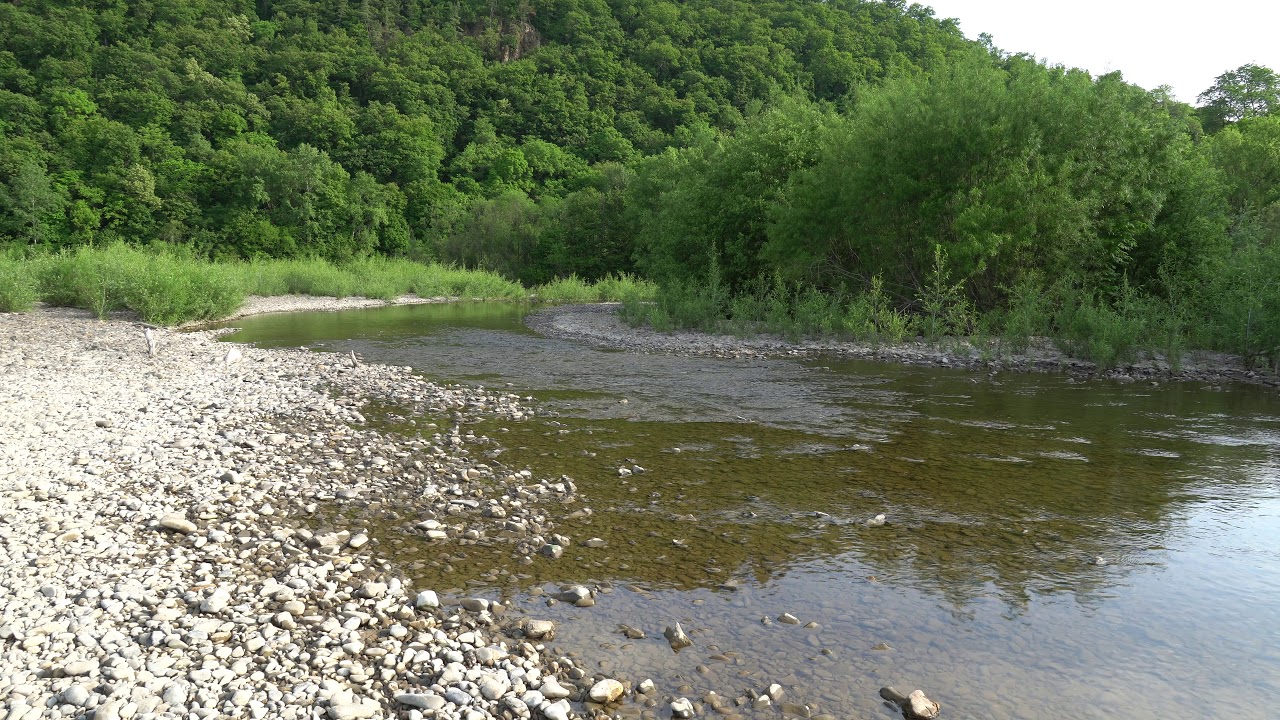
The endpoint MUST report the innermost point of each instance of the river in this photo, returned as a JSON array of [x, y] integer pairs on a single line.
[[1050, 548]]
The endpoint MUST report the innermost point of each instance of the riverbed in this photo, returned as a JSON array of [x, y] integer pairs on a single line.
[[1049, 547]]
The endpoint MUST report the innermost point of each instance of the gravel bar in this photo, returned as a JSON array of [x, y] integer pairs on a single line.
[[159, 556], [598, 324]]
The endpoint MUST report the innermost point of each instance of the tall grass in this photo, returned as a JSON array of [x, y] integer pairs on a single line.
[[18, 288], [162, 288], [610, 288], [383, 278], [170, 288]]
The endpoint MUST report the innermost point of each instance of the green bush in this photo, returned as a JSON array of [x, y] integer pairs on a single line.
[[1028, 314], [568, 290], [18, 291]]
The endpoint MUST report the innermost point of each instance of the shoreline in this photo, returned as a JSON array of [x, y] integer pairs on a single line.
[[270, 304], [599, 325], [159, 555]]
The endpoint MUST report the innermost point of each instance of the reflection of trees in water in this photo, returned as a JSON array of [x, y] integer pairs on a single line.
[[963, 523], [973, 522]]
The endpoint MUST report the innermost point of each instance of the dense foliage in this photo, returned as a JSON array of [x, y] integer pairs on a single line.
[[403, 127], [843, 167]]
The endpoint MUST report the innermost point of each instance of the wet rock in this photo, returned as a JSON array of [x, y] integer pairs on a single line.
[[682, 708], [606, 691], [788, 619], [677, 637], [631, 633], [577, 594], [646, 687], [876, 521], [919, 707], [892, 695]]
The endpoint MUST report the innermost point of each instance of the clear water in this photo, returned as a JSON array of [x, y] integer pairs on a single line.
[[1000, 494]]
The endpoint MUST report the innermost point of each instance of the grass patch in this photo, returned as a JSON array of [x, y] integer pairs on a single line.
[[621, 287], [172, 288], [164, 289], [18, 291]]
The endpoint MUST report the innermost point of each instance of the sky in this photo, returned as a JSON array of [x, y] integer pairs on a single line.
[[1151, 42]]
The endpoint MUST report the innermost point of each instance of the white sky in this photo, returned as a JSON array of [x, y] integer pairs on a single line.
[[1179, 43]]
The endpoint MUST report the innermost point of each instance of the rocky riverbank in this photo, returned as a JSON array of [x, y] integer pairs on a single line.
[[161, 557], [599, 325]]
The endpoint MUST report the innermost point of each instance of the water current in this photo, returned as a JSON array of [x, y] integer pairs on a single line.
[[1050, 549]]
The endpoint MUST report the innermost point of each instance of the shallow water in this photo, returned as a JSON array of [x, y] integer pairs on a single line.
[[1001, 495]]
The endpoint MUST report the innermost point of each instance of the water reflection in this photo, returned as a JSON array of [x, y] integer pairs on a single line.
[[1086, 550]]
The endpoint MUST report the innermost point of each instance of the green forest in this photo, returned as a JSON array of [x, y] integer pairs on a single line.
[[848, 168]]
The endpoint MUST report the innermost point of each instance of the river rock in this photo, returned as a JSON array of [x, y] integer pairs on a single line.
[[425, 701], [552, 688], [606, 691], [919, 707], [79, 667], [458, 696], [493, 687], [177, 523], [677, 637], [556, 710], [682, 708], [427, 599], [575, 594], [539, 629], [372, 590], [353, 711], [217, 601], [77, 695]]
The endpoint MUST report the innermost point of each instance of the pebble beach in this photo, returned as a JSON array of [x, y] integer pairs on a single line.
[[158, 556]]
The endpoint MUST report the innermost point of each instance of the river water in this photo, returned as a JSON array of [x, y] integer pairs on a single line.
[[1051, 549]]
